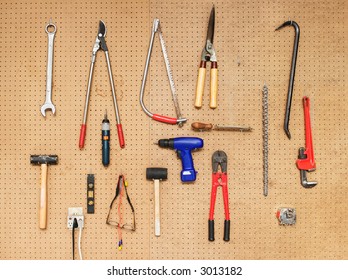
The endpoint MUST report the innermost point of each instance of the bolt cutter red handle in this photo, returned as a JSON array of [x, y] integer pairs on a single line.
[[219, 179]]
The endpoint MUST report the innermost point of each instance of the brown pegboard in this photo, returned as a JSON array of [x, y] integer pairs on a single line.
[[249, 52]]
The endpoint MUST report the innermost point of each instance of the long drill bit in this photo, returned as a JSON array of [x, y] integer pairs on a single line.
[[265, 138]]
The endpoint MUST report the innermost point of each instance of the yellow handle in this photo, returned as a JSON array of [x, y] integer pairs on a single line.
[[43, 198], [213, 87], [200, 87]]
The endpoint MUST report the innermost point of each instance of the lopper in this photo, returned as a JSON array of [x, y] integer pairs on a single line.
[[156, 28], [219, 179], [100, 44], [208, 54]]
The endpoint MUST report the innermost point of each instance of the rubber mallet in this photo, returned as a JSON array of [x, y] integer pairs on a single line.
[[44, 161], [157, 174]]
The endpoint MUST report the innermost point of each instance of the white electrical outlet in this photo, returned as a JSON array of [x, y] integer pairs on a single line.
[[75, 212]]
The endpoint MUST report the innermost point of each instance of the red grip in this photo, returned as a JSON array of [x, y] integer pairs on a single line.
[[120, 135], [82, 136], [164, 119]]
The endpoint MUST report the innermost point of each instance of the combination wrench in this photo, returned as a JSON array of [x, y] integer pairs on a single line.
[[48, 102]]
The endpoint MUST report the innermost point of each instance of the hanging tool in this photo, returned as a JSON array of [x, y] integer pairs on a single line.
[[90, 194], [219, 158], [184, 146], [305, 161], [122, 222], [286, 216], [44, 161], [101, 44], [106, 140], [292, 73], [208, 54], [157, 175], [198, 126], [48, 102], [156, 28], [265, 138]]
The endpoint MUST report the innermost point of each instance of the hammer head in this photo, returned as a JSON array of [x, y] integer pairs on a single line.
[[43, 159], [156, 173]]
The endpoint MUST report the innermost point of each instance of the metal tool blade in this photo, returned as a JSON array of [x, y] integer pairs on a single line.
[[232, 128], [102, 28], [211, 26]]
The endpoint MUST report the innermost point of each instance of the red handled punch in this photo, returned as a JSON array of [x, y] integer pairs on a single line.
[[305, 161], [219, 179]]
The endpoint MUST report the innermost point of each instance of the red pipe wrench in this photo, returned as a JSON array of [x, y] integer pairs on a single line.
[[305, 162], [219, 179]]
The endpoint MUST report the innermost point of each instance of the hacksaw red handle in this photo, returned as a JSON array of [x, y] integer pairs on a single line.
[[164, 119], [308, 163], [120, 135], [82, 136]]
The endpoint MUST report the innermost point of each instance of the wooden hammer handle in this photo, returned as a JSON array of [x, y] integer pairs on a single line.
[[157, 209], [43, 198]]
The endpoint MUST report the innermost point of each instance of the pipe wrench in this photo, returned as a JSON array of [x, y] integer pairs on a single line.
[[305, 161]]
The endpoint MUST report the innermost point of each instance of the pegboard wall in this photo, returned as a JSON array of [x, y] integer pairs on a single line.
[[249, 52]]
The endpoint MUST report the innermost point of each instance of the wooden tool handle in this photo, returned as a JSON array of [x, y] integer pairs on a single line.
[[157, 209], [201, 126], [200, 84], [213, 85], [43, 198]]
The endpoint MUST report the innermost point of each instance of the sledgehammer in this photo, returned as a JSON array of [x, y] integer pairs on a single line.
[[44, 161], [157, 174]]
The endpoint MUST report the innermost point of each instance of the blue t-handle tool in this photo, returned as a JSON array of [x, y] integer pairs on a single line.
[[184, 146]]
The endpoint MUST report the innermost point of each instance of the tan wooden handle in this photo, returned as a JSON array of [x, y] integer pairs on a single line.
[[157, 209], [213, 85], [43, 198], [201, 126], [200, 85]]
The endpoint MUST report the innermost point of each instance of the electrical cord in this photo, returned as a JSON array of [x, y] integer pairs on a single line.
[[75, 225], [80, 235]]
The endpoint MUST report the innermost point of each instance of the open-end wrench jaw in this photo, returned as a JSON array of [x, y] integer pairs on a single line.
[[48, 106]]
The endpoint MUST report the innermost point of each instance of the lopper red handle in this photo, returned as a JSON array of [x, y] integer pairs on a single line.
[[82, 136], [120, 135], [164, 119]]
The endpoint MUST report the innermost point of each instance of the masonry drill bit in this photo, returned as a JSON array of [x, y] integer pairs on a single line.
[[265, 138]]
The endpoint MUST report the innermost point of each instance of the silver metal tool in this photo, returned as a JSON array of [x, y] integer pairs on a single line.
[[286, 216], [179, 119], [48, 102], [101, 44], [265, 138]]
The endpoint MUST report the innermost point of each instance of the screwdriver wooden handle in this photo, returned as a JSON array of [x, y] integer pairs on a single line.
[[200, 84], [213, 85], [201, 126], [43, 198]]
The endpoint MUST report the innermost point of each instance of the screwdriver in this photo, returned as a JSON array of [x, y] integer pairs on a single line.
[[106, 140], [198, 126]]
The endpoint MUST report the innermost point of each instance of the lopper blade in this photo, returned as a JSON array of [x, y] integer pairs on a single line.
[[102, 29]]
